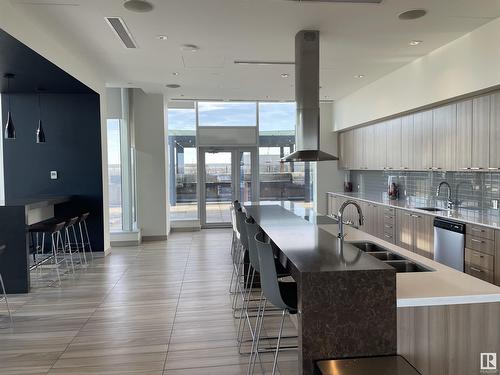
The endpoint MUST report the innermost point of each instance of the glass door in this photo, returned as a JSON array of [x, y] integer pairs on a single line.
[[227, 174]]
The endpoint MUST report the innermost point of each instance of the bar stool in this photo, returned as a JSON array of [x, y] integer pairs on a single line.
[[235, 246], [69, 246], [54, 231], [241, 279], [84, 235], [4, 294], [281, 294], [252, 228]]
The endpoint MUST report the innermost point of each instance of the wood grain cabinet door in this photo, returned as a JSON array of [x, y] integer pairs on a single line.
[[464, 135], [370, 146], [358, 151], [444, 137], [407, 143], [481, 132], [380, 139], [495, 132], [404, 229], [424, 235], [394, 143], [422, 130]]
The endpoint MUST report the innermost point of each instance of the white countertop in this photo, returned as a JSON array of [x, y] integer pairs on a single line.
[[444, 286], [485, 218]]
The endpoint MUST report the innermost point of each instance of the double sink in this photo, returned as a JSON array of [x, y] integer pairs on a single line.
[[399, 262]]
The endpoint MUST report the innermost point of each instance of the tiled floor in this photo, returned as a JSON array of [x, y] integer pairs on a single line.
[[160, 308]]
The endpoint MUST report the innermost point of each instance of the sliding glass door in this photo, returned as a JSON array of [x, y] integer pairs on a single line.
[[227, 174]]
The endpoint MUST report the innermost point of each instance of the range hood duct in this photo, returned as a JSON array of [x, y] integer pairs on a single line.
[[307, 99]]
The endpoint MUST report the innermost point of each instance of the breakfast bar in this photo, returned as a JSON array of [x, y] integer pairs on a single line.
[[15, 217]]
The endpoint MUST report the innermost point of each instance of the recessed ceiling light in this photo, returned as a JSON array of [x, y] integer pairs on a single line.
[[175, 73], [190, 47], [359, 76], [412, 14], [161, 37], [139, 6], [415, 42], [284, 75], [173, 86]]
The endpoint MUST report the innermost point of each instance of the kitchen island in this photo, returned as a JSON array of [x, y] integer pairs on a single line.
[[445, 318], [15, 217]]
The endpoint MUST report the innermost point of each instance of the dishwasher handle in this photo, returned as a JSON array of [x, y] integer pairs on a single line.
[[450, 225]]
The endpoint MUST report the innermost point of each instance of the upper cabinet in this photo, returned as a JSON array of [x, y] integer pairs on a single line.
[[422, 133], [481, 132], [444, 137], [393, 144], [494, 148], [464, 135], [407, 143]]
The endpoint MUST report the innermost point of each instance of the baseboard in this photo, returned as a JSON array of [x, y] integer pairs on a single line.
[[154, 238], [185, 229], [124, 243]]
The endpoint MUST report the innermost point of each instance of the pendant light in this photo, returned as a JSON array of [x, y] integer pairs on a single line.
[[40, 134], [10, 130]]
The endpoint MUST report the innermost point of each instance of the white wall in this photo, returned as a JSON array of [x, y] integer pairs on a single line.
[[65, 54], [328, 176], [148, 118], [468, 64]]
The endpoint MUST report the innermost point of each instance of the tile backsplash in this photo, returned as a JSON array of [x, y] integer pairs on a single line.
[[477, 190]]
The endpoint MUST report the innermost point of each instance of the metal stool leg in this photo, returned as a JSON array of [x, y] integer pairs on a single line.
[[68, 247], [6, 301], [88, 239]]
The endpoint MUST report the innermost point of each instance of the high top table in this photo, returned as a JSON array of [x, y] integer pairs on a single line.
[[15, 217], [346, 299]]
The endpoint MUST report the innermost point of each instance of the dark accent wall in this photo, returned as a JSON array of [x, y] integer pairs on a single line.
[[73, 149]]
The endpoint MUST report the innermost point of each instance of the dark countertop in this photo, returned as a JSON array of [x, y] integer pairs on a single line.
[[36, 202], [306, 246]]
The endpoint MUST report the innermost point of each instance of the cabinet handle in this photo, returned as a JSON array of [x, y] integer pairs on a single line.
[[476, 168], [435, 168], [474, 240], [477, 230], [493, 168], [387, 236], [465, 168], [478, 255], [388, 226], [475, 269]]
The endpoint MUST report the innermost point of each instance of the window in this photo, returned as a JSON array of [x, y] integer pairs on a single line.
[[227, 113], [183, 163], [115, 175], [291, 181]]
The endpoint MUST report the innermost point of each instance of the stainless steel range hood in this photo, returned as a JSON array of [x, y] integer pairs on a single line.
[[307, 98]]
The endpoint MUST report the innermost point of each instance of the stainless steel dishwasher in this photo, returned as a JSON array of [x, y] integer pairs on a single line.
[[449, 243]]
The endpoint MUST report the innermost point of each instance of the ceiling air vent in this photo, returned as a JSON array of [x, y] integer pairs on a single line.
[[121, 30], [339, 1]]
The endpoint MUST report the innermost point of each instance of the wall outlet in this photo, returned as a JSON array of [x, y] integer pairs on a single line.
[[53, 175]]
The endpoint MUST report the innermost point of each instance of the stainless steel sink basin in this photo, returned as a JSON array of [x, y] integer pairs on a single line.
[[431, 209], [399, 262], [406, 266], [368, 247], [386, 255]]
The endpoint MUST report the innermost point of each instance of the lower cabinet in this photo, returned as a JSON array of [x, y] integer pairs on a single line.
[[415, 232]]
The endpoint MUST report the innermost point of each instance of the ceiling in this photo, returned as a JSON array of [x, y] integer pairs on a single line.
[[356, 39], [32, 71]]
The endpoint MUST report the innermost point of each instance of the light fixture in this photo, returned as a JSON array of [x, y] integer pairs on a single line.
[[255, 62], [412, 14], [175, 73], [173, 86], [138, 6], [359, 76], [10, 130], [40, 134], [162, 37], [414, 42], [190, 48], [285, 75]]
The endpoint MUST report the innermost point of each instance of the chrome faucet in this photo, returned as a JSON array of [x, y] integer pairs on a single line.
[[449, 202], [340, 215]]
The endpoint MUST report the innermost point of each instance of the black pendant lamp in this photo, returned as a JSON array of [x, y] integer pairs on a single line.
[[40, 134], [10, 130]]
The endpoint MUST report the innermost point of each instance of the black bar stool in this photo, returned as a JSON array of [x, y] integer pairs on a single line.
[[4, 294], [53, 230], [69, 246], [84, 236]]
